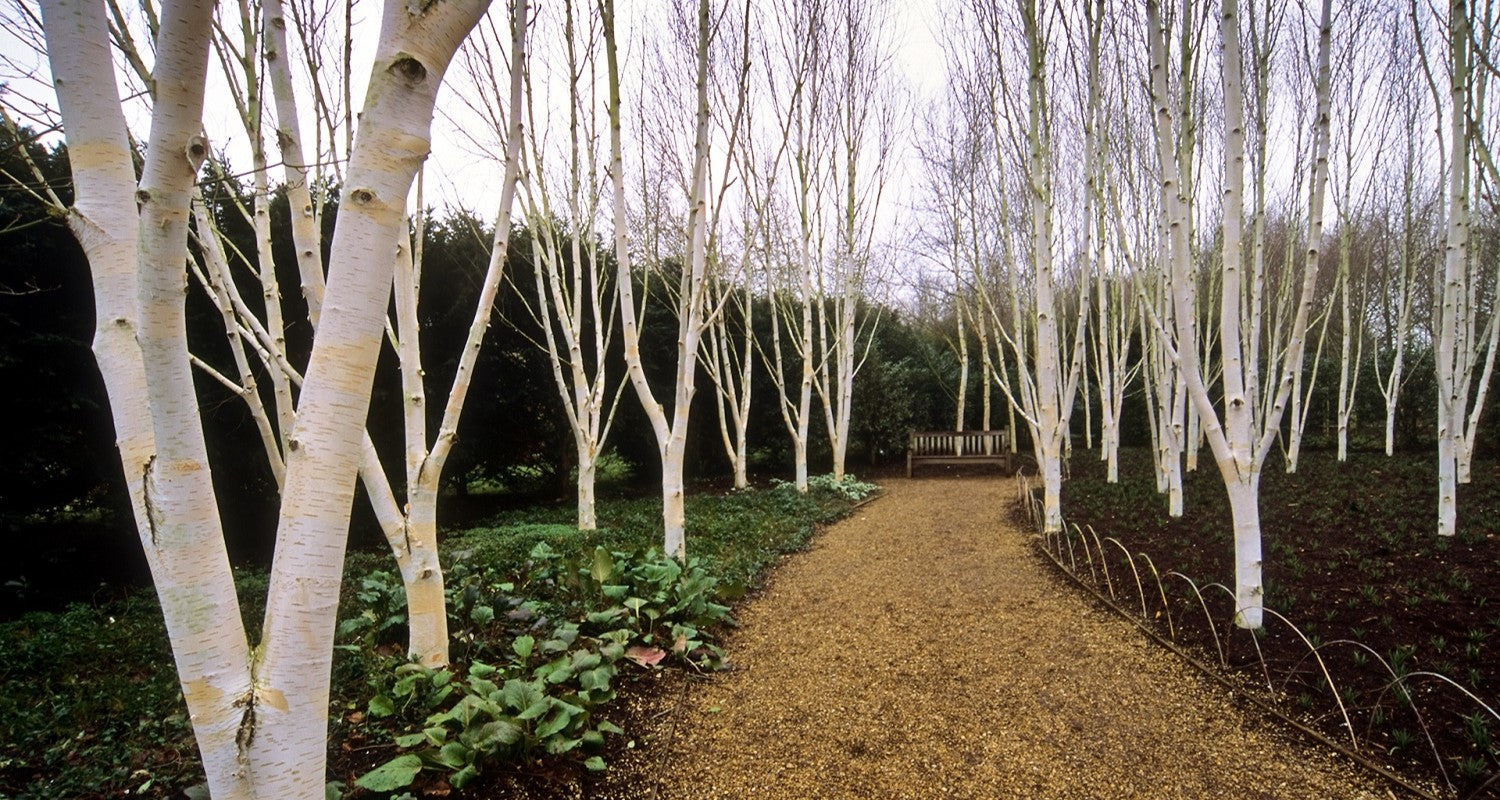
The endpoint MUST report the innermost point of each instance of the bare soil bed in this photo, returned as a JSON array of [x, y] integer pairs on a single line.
[[1350, 553]]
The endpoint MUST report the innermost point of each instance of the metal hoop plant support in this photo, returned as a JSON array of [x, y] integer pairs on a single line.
[[1060, 548]]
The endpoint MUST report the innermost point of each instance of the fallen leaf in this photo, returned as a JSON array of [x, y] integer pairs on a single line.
[[645, 656]]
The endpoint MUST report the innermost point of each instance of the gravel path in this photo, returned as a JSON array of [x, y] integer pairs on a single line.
[[919, 649]]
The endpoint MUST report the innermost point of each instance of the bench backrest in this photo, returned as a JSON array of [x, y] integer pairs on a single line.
[[942, 443]]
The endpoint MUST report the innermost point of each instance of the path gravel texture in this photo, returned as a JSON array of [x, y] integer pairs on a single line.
[[920, 649]]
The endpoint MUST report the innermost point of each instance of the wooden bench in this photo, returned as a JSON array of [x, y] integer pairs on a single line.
[[958, 447]]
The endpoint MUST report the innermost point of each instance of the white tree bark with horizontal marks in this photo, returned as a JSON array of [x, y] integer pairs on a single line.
[[260, 716], [692, 294]]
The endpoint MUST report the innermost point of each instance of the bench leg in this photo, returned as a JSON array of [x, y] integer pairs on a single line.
[[908, 464]]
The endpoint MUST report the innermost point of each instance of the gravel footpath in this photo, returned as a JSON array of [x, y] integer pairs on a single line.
[[919, 649]]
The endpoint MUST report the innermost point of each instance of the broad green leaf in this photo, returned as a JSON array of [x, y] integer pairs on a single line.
[[607, 615], [553, 724], [536, 709], [404, 687], [482, 687], [603, 567], [492, 735], [523, 645], [596, 678], [463, 777], [381, 706], [392, 775], [455, 755], [411, 739], [559, 673], [482, 615], [595, 764]]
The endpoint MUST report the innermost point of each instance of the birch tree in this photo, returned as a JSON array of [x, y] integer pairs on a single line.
[[1400, 279], [728, 355], [794, 80], [1020, 295], [1241, 439], [1054, 387], [1460, 290], [410, 527], [575, 302], [1362, 138], [692, 289], [862, 109], [260, 716], [1448, 350], [426, 456]]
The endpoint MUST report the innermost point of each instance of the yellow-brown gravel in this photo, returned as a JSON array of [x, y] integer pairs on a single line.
[[920, 650]]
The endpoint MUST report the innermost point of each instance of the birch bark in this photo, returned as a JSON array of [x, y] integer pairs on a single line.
[[191, 571], [671, 433], [260, 716], [1455, 261]]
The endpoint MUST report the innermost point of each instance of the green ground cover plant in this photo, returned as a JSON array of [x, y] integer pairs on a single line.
[[549, 624]]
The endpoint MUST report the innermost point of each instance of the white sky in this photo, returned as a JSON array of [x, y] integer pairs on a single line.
[[456, 173]]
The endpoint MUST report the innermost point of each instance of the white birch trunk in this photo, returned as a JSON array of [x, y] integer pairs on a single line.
[[422, 575], [671, 435], [1450, 402], [190, 567], [287, 752]]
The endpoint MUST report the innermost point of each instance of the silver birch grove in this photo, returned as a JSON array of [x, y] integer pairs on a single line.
[[260, 715]]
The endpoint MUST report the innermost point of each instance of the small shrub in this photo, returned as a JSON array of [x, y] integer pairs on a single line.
[[850, 487], [539, 702]]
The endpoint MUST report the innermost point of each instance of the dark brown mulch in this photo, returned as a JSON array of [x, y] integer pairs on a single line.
[[1350, 553]]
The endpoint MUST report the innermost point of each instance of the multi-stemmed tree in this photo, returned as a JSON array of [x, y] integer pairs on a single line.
[[692, 286], [1242, 438], [259, 714]]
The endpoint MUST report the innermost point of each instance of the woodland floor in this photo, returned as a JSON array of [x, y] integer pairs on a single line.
[[921, 649]]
